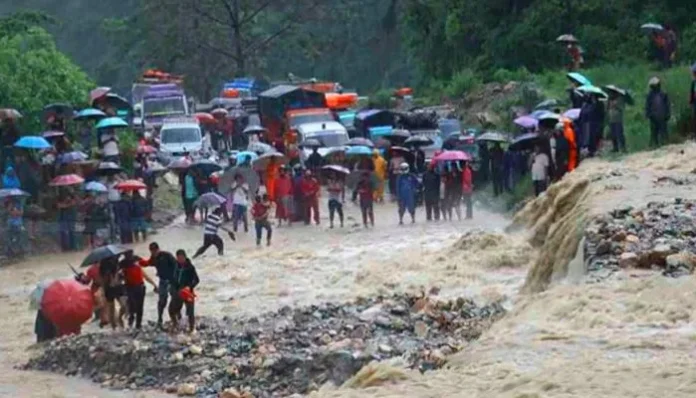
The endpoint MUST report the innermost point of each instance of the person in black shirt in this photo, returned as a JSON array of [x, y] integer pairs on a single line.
[[164, 263], [497, 175], [431, 188], [184, 280], [314, 161]]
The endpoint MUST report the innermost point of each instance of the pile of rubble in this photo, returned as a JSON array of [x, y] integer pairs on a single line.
[[661, 236], [292, 351]]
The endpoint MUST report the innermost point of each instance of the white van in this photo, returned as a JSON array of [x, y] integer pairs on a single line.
[[181, 137]]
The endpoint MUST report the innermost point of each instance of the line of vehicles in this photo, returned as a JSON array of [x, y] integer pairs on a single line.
[[290, 111]]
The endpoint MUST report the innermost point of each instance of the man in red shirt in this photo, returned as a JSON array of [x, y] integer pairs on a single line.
[[283, 191], [134, 278], [310, 193], [260, 211], [365, 191]]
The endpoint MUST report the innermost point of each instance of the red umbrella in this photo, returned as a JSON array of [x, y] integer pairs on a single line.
[[131, 185], [146, 149], [98, 93], [448, 156], [67, 304], [204, 117], [66, 180]]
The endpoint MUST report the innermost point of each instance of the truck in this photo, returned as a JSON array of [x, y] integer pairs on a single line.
[[245, 86], [284, 107], [162, 101]]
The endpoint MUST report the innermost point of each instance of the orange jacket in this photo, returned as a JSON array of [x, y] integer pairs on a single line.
[[467, 181], [569, 135]]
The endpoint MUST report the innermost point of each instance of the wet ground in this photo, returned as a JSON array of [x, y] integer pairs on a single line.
[[305, 265]]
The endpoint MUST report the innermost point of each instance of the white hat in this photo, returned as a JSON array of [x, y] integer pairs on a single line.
[[404, 167], [654, 81]]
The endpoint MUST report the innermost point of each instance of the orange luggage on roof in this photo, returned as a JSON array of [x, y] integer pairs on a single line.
[[404, 91], [341, 101], [230, 93]]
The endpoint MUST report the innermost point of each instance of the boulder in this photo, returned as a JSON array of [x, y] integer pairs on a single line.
[[619, 236], [628, 260], [604, 247], [230, 393], [195, 350], [186, 390]]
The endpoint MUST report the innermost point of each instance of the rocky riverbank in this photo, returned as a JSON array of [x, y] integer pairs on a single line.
[[660, 236], [278, 354]]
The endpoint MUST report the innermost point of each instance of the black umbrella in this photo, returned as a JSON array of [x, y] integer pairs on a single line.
[[108, 169], [59, 109], [397, 136], [205, 166], [525, 141], [311, 143], [492, 136], [418, 141], [250, 176], [360, 141], [116, 101], [102, 253], [549, 104]]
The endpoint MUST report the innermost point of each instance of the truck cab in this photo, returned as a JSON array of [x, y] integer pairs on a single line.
[[160, 102]]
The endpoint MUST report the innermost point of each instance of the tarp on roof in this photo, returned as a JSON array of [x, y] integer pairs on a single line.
[[278, 100], [371, 118]]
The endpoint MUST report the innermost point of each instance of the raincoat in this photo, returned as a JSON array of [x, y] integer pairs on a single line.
[[9, 179], [272, 172], [381, 173], [406, 186], [467, 181], [569, 134]]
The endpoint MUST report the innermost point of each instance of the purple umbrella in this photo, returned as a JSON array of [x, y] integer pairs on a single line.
[[526, 122], [572, 114]]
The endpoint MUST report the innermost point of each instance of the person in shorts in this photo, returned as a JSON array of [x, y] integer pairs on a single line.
[[184, 281]]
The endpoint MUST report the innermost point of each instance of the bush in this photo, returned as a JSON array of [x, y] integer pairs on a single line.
[[382, 99], [461, 83], [506, 75]]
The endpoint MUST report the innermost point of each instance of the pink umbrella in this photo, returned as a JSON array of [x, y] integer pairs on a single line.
[[66, 180], [131, 185], [98, 93], [451, 156], [526, 122]]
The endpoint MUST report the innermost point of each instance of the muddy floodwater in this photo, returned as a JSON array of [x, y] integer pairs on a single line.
[[305, 265]]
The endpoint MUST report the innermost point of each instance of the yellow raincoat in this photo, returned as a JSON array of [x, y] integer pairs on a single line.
[[381, 173]]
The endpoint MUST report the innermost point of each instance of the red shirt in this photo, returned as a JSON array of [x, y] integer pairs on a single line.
[[310, 186], [467, 181], [365, 191], [92, 275], [283, 187], [259, 211], [133, 275]]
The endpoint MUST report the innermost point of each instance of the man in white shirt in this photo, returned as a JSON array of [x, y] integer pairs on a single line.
[[111, 151], [240, 202], [540, 170]]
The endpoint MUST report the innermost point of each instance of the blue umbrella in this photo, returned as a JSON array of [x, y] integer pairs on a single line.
[[32, 142], [111, 122], [359, 151], [246, 156], [578, 78], [90, 113], [96, 187]]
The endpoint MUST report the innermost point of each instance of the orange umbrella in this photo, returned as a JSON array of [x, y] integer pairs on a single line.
[[204, 117], [66, 180], [131, 185], [67, 304]]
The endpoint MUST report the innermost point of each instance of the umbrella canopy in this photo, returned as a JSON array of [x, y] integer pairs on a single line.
[[67, 304], [401, 149], [397, 135], [63, 110], [102, 253], [525, 141], [250, 176], [32, 142], [311, 143], [335, 150], [72, 157], [66, 180], [155, 168], [579, 79], [246, 156], [180, 164], [9, 113], [210, 200], [254, 129], [37, 294], [116, 101], [205, 118], [336, 168], [131, 185], [146, 149], [108, 169], [592, 90], [572, 114], [262, 162], [567, 38], [451, 156], [90, 113], [12, 193], [220, 111], [356, 176], [260, 147], [52, 134], [652, 27], [98, 93], [547, 105], [492, 136], [419, 141], [94, 186], [527, 122], [549, 116], [360, 141], [111, 122], [359, 151], [382, 143], [205, 166]]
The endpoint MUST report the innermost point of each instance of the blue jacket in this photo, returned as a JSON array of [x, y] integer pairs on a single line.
[[406, 186]]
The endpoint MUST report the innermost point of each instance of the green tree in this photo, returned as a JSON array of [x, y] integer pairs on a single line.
[[34, 73]]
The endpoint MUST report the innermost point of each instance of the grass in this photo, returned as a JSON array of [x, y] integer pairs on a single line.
[[633, 77]]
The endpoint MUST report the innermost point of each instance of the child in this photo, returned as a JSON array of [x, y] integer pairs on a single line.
[[184, 280], [260, 212]]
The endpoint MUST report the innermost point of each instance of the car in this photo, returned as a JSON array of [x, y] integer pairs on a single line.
[[180, 137]]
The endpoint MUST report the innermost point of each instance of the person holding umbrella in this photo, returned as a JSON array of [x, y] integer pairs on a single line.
[[406, 187], [337, 194], [380, 166], [190, 195], [239, 198], [8, 136], [468, 189]]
